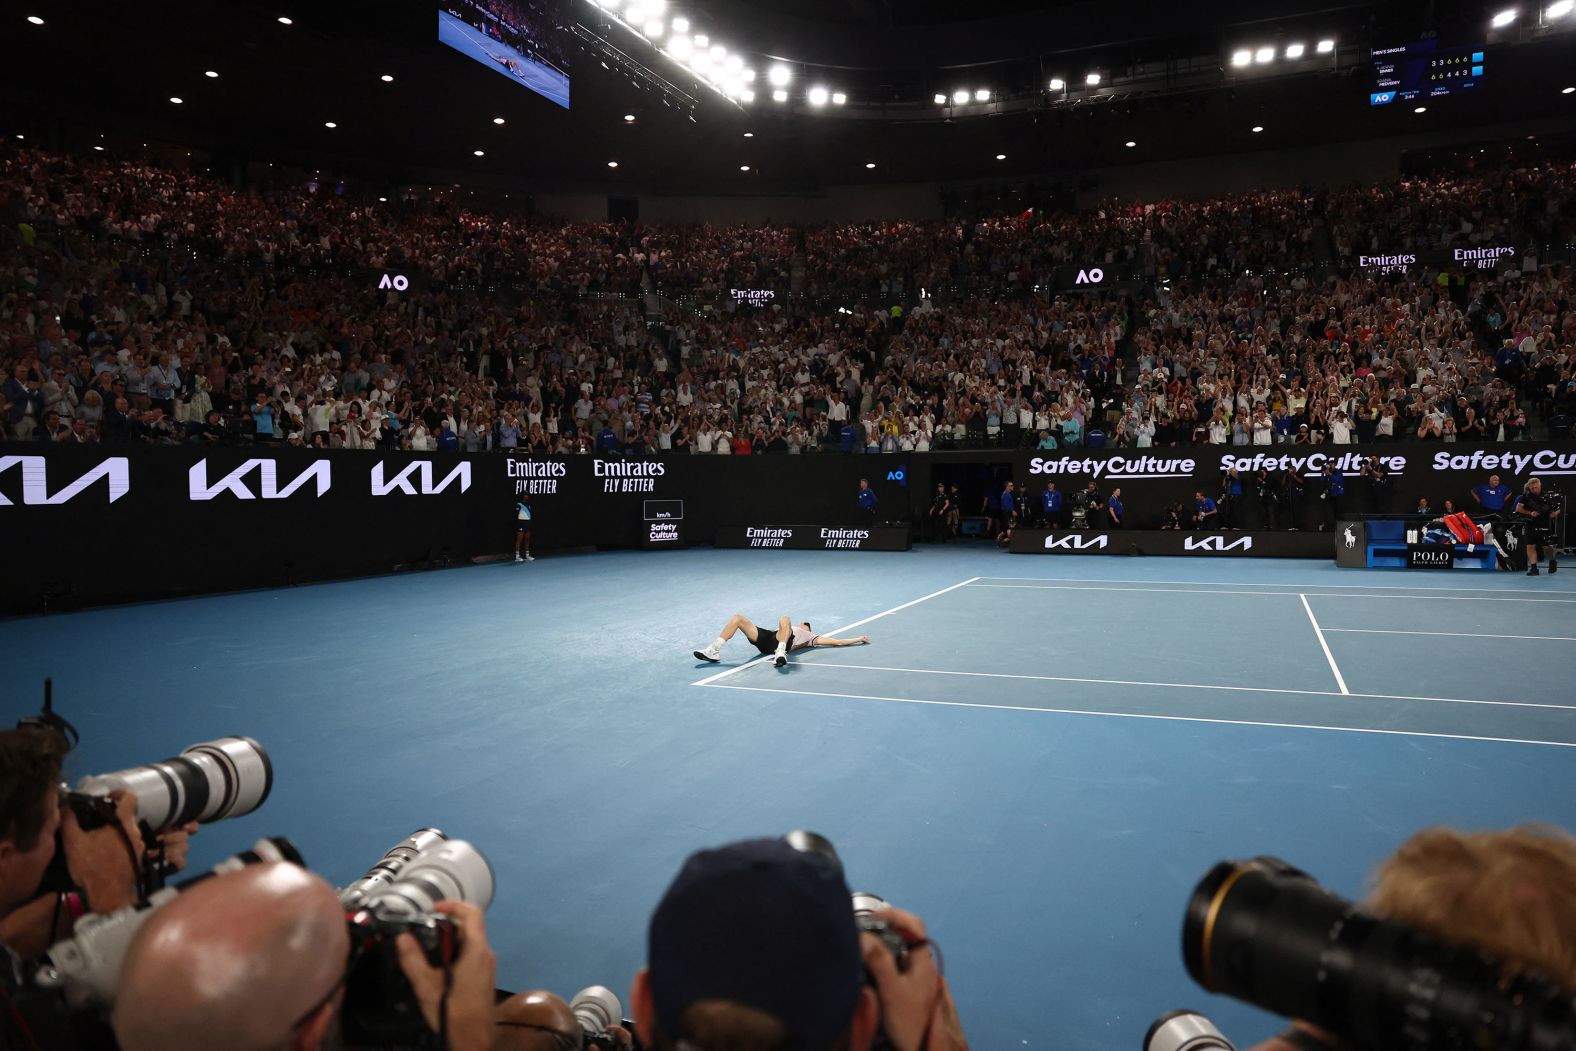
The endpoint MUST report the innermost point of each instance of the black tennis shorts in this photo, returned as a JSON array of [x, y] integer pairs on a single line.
[[766, 639]]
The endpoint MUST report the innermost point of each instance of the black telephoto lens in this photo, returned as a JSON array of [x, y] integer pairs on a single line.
[[1268, 934]]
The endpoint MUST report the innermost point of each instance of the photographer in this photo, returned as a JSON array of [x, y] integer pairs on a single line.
[[1510, 894], [257, 958], [1538, 513], [755, 945]]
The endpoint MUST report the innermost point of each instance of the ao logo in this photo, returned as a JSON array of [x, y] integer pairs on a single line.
[[399, 282], [900, 476], [1093, 276]]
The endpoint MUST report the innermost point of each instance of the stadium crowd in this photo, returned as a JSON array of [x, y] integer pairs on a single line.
[[145, 305]]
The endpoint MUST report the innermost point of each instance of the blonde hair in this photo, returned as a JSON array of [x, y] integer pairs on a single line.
[[1510, 894]]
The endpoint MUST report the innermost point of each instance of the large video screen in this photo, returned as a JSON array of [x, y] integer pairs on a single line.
[[1424, 70], [524, 40]]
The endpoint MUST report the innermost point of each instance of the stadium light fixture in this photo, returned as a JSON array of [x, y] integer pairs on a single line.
[[635, 14], [744, 167], [1504, 18], [479, 153], [1263, 55], [747, 74], [1563, 91], [387, 78], [718, 52], [176, 99], [99, 148], [285, 20], [746, 96], [749, 135], [939, 99], [1559, 9], [1129, 144], [982, 95], [779, 76], [779, 94], [1241, 57], [959, 97], [1421, 109], [1296, 50], [1093, 80], [210, 74], [383, 200], [498, 120], [701, 39], [1058, 84], [35, 20], [838, 98], [679, 46], [817, 96], [680, 25], [629, 118], [653, 29], [612, 164], [1257, 128], [1325, 47], [734, 64], [869, 165], [1001, 156]]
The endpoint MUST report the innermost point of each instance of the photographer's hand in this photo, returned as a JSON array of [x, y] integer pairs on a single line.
[[470, 992], [176, 844], [104, 862], [917, 1012]]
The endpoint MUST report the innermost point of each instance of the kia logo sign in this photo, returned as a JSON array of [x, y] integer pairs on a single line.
[[1216, 543], [398, 282], [35, 480], [401, 482], [234, 483], [1092, 276], [1075, 542]]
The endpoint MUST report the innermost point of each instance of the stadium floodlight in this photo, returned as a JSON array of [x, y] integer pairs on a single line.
[[1257, 128], [479, 153], [1295, 50], [680, 24], [744, 167], [176, 99], [1058, 84], [817, 96], [35, 20], [1325, 47], [1263, 55], [959, 97], [700, 61], [629, 118], [749, 135], [653, 29], [701, 39], [1129, 144], [679, 47], [1001, 156], [1242, 57], [387, 78], [779, 75], [1505, 18], [210, 74], [982, 95], [779, 94], [939, 99], [748, 75], [838, 98], [284, 20], [734, 64], [746, 96], [869, 165], [1559, 9], [498, 120], [612, 164], [1563, 91], [718, 52], [99, 148], [1093, 80], [1421, 109], [635, 14]]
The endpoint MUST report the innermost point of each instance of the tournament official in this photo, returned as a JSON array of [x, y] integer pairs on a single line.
[[867, 501], [1493, 496], [1051, 506]]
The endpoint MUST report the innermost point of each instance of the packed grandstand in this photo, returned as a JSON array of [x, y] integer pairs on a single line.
[[151, 305]]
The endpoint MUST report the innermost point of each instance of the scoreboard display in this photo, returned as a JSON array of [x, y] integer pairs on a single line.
[[1424, 70]]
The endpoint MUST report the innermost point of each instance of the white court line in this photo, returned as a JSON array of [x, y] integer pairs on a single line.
[[1324, 645], [1137, 715], [1247, 594], [1192, 686], [1455, 634], [1253, 584], [835, 631]]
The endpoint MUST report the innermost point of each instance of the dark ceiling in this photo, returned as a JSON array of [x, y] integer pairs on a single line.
[[104, 74]]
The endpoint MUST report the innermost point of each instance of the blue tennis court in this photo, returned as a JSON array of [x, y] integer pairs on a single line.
[[1039, 755]]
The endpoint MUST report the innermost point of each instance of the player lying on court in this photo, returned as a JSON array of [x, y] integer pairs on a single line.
[[789, 637]]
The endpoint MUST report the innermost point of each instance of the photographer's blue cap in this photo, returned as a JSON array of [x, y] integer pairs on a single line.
[[764, 925]]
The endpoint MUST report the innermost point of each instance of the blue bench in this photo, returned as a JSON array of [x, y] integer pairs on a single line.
[[1387, 549]]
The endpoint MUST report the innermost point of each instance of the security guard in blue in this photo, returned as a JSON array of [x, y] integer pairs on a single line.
[[867, 499], [1493, 496], [1051, 505]]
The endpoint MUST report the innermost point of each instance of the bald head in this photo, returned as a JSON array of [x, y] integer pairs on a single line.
[[519, 1016], [234, 962]]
